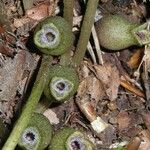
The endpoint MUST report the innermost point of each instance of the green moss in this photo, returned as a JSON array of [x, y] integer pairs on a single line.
[[53, 36], [38, 133], [114, 32], [62, 84], [70, 139]]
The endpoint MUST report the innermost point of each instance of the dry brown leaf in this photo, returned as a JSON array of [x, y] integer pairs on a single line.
[[20, 22], [123, 120], [132, 88], [109, 76], [146, 119], [146, 58], [38, 12], [11, 76], [134, 144], [145, 137], [92, 88], [135, 59]]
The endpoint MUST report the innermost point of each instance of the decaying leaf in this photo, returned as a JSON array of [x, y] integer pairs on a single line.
[[135, 59], [91, 87], [123, 120], [145, 137], [109, 76], [38, 12], [20, 22], [146, 58], [11, 81]]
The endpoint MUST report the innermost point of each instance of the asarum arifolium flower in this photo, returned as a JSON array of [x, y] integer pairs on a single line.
[[62, 83], [37, 134], [53, 36], [70, 139]]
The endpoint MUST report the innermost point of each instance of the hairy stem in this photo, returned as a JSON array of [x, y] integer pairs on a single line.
[[68, 11], [68, 16], [85, 31], [31, 104]]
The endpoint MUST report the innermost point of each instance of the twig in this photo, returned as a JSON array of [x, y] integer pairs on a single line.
[[90, 50], [97, 46], [30, 105]]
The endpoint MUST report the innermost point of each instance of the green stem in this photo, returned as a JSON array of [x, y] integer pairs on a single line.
[[68, 16], [85, 31], [68, 11], [43, 105], [31, 104]]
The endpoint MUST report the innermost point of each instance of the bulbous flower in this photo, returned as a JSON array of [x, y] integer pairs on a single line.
[[62, 83], [70, 139], [53, 36], [37, 134]]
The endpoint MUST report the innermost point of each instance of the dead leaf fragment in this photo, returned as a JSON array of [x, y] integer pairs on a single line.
[[109, 76], [146, 57], [132, 88], [145, 137], [134, 144], [91, 88], [38, 12], [123, 120], [20, 22], [135, 59]]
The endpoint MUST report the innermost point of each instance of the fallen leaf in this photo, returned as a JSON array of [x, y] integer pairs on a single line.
[[38, 12], [146, 57], [6, 50], [91, 88], [20, 22], [123, 120], [109, 76], [135, 59], [145, 137]]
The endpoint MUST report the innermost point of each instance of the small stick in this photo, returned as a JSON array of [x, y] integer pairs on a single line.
[[97, 46]]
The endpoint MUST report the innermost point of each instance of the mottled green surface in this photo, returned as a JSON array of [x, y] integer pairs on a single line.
[[59, 139], [65, 32], [42, 124], [114, 32], [81, 139], [67, 136], [62, 72]]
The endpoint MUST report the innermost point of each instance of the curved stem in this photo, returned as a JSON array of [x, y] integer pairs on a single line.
[[30, 105], [85, 31]]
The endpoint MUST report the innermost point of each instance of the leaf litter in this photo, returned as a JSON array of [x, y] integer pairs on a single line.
[[100, 84]]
